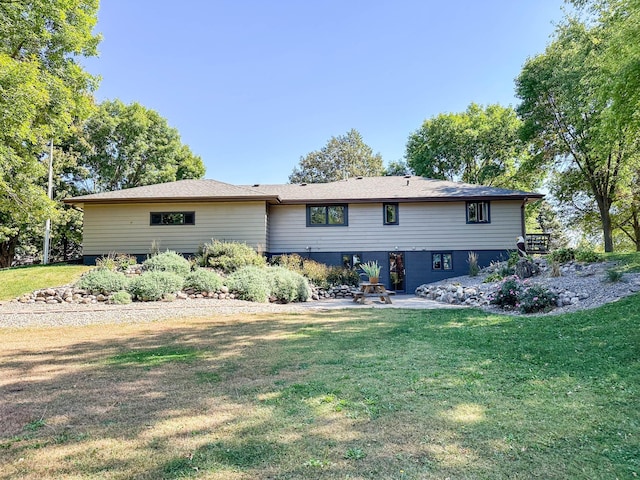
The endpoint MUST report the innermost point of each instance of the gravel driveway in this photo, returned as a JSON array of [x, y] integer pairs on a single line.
[[18, 315]]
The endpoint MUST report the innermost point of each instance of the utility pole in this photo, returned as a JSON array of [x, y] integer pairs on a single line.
[[47, 225]]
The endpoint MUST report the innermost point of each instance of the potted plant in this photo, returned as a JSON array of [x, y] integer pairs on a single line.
[[372, 270]]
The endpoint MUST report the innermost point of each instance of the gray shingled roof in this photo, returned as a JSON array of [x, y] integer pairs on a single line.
[[392, 189], [357, 189], [184, 190]]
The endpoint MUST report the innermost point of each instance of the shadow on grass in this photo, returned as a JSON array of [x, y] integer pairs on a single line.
[[373, 394]]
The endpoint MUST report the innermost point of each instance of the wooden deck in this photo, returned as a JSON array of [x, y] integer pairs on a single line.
[[537, 242]]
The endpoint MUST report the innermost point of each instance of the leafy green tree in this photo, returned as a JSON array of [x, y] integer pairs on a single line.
[[625, 215], [124, 146], [569, 119], [398, 169], [618, 22], [480, 145], [43, 91], [343, 156]]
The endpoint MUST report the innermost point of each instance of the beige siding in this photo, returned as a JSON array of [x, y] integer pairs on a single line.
[[422, 226], [126, 228], [268, 227]]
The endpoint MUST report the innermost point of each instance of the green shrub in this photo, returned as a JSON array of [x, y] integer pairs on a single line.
[[316, 272], [229, 256], [507, 294], [513, 293], [121, 298], [155, 285], [342, 276], [250, 283], [514, 256], [202, 280], [586, 255], [168, 262], [283, 284], [107, 263], [563, 255], [613, 275], [293, 262], [303, 288], [537, 298], [124, 261], [102, 281], [493, 277], [506, 270]]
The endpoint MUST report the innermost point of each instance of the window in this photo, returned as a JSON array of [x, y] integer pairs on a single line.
[[173, 218], [327, 216], [351, 260], [390, 213], [441, 261], [478, 212]]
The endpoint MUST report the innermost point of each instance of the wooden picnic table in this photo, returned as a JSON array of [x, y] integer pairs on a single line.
[[372, 290]]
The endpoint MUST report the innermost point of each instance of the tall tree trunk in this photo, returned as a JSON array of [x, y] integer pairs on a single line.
[[65, 247], [635, 222], [8, 252], [604, 205]]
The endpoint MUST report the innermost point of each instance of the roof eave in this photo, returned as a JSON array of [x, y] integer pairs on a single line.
[[111, 201], [525, 197]]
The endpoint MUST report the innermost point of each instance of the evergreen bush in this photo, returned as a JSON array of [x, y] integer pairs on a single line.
[[168, 262], [102, 281], [202, 280], [155, 285]]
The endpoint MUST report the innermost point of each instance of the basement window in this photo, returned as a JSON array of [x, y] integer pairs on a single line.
[[351, 260], [441, 261], [173, 218]]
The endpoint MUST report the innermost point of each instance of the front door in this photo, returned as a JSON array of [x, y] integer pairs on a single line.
[[396, 271]]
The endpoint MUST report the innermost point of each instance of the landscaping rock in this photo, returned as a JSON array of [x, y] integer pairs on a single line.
[[580, 286]]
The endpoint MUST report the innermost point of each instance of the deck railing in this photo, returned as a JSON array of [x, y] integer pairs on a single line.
[[538, 242]]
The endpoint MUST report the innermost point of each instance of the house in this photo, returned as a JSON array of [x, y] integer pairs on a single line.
[[420, 230]]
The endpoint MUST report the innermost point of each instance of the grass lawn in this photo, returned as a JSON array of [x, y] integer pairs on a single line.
[[627, 262], [359, 394], [17, 281]]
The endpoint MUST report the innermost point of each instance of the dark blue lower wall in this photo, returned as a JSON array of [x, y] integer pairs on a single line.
[[417, 264]]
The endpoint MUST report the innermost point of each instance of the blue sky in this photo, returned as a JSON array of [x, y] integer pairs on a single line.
[[254, 85]]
